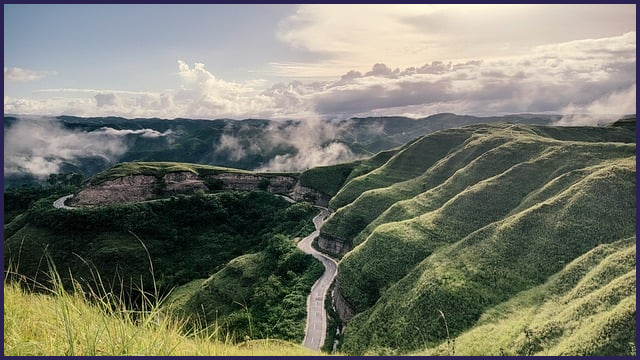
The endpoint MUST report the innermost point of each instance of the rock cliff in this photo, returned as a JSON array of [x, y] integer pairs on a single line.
[[137, 188]]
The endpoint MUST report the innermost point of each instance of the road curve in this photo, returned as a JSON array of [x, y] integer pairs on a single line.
[[59, 204], [316, 328]]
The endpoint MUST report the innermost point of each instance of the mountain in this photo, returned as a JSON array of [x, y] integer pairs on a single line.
[[36, 146], [151, 248], [486, 239], [460, 223]]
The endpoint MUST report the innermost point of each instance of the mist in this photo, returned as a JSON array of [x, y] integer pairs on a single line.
[[312, 142], [604, 110], [39, 147]]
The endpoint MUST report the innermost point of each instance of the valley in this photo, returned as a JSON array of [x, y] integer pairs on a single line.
[[486, 239]]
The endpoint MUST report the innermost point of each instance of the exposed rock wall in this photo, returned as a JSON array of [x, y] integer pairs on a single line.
[[332, 245], [182, 182], [137, 188], [127, 189], [343, 308], [303, 193]]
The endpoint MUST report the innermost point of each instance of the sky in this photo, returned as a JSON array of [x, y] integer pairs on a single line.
[[319, 61]]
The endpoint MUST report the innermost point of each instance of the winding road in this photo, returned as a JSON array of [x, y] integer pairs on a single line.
[[59, 204], [316, 329]]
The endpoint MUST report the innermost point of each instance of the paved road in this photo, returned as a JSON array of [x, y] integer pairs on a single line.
[[316, 315], [316, 328], [59, 204]]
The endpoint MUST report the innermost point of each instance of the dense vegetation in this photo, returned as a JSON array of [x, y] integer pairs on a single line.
[[463, 220], [165, 243], [490, 239], [255, 296], [588, 309]]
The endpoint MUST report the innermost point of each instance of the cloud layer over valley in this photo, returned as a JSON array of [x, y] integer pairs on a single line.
[[40, 147]]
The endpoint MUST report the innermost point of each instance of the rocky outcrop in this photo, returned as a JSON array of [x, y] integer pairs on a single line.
[[277, 184], [332, 245], [182, 183], [303, 193], [344, 310], [137, 188], [281, 184], [126, 189]]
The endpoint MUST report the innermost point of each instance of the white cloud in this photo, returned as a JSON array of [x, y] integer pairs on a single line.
[[354, 36], [40, 147], [551, 78], [145, 133], [601, 111], [16, 74]]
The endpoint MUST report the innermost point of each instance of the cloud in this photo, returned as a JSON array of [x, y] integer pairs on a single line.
[[314, 142], [41, 146], [106, 100], [145, 133], [310, 156], [16, 74], [406, 35], [549, 78], [601, 111], [235, 148]]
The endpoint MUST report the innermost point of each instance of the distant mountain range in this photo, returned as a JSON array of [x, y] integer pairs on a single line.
[[36, 146]]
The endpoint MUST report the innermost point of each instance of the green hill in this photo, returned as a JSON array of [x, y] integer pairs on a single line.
[[258, 296], [463, 220], [133, 248], [64, 324], [487, 239], [588, 308]]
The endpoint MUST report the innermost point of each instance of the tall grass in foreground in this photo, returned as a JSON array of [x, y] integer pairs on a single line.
[[65, 323]]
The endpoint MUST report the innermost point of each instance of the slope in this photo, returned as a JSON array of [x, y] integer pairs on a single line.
[[498, 213], [129, 249], [586, 309]]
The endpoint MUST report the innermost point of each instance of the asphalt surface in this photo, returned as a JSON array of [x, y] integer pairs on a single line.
[[316, 329], [59, 204]]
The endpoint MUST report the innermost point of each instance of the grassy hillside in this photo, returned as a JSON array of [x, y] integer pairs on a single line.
[[258, 296], [587, 309], [161, 244], [63, 324], [330, 179], [158, 169], [455, 228]]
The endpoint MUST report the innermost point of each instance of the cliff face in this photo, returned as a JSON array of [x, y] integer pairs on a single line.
[[332, 245], [344, 310], [127, 189], [181, 183], [303, 193], [137, 188]]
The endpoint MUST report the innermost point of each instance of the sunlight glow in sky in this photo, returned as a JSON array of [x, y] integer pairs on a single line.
[[321, 61]]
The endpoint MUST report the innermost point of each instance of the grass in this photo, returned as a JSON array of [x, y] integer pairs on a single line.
[[330, 179], [188, 238], [495, 216], [259, 295], [588, 308], [59, 323], [158, 169]]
